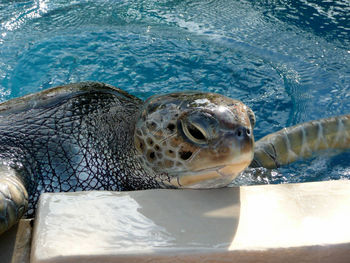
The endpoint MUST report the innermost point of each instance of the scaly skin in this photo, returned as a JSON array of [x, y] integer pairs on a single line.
[[70, 138], [302, 141]]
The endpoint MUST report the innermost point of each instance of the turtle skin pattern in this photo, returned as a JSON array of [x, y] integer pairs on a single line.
[[72, 138]]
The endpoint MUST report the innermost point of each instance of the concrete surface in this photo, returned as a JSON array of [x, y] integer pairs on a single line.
[[272, 223]]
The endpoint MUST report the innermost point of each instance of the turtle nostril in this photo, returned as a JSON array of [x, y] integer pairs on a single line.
[[242, 132]]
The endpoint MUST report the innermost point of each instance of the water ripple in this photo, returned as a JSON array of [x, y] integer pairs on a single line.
[[289, 61]]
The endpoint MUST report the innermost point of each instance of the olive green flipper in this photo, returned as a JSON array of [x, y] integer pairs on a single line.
[[13, 198], [302, 141]]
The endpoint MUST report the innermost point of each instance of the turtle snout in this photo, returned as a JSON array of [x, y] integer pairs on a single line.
[[244, 137], [242, 133]]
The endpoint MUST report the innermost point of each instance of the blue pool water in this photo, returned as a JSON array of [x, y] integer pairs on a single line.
[[288, 60]]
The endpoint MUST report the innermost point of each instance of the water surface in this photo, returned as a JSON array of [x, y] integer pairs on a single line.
[[288, 60]]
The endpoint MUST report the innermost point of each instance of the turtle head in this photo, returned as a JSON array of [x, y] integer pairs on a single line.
[[195, 140]]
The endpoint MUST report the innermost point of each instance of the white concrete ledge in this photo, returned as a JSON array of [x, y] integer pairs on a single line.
[[273, 223]]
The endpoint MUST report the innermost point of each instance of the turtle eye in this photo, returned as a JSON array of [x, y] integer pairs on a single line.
[[194, 132]]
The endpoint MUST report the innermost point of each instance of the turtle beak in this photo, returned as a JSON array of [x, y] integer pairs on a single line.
[[218, 178]]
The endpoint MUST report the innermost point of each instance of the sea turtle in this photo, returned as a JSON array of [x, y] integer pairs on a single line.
[[92, 136]]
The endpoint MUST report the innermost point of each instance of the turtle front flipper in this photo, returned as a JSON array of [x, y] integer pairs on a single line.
[[302, 141], [13, 197]]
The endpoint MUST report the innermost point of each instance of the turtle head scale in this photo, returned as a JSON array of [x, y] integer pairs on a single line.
[[194, 140]]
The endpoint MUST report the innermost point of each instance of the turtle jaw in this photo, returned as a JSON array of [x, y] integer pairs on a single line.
[[216, 177]]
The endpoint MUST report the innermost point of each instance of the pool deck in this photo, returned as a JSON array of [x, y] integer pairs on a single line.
[[306, 222]]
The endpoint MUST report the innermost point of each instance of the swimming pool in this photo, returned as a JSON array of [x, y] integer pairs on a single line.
[[288, 60]]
